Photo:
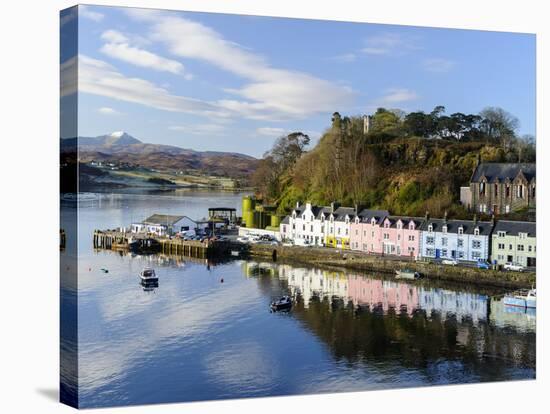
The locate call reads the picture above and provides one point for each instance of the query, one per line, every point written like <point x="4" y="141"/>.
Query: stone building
<point x="501" y="188"/>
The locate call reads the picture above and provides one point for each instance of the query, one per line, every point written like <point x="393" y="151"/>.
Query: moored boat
<point x="407" y="274"/>
<point x="521" y="298"/>
<point x="148" y="275"/>
<point x="285" y="303"/>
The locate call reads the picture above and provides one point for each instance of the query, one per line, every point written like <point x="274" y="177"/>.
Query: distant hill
<point x="122" y="147"/>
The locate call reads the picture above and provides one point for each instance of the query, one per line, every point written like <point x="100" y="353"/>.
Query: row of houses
<point x="379" y="232"/>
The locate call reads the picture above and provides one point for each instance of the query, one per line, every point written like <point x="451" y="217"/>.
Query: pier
<point x="146" y="243"/>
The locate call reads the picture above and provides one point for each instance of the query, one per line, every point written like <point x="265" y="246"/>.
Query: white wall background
<point x="29" y="172"/>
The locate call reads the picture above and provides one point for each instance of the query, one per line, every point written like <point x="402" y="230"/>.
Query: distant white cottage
<point x="164" y="224"/>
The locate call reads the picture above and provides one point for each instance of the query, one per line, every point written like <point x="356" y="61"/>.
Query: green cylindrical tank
<point x="248" y="204"/>
<point x="275" y="221"/>
<point x="248" y="218"/>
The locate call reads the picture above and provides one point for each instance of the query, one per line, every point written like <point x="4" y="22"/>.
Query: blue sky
<point x="234" y="83"/>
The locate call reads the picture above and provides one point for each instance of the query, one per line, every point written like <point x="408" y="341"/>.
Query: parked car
<point x="515" y="267"/>
<point x="450" y="262"/>
<point x="482" y="264"/>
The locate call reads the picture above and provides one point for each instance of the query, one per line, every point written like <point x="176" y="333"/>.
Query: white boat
<point x="522" y="298"/>
<point x="407" y="274"/>
<point x="148" y="275"/>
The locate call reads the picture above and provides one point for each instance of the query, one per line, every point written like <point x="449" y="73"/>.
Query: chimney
<point x="445" y="216"/>
<point x="427" y="216"/>
<point x="297" y="204"/>
<point x="356" y="209"/>
<point x="332" y="207"/>
<point x="493" y="219"/>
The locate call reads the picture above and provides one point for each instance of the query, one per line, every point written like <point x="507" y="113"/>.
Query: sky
<point x="235" y="83"/>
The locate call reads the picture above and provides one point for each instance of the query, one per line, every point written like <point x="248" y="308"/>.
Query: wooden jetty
<point x="147" y="243"/>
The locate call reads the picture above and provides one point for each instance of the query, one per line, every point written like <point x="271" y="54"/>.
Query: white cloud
<point x="270" y="131"/>
<point x="397" y="95"/>
<point x="438" y="65"/>
<point x="387" y="43"/>
<point x="270" y="93"/>
<point x="84" y="11"/>
<point x="118" y="47"/>
<point x="199" y="129"/>
<point x="105" y="110"/>
<point x="100" y="78"/>
<point x="345" y="58"/>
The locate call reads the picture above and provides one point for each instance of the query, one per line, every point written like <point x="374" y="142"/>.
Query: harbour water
<point x="195" y="338"/>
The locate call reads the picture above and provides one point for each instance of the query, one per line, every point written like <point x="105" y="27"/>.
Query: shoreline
<point x="349" y="259"/>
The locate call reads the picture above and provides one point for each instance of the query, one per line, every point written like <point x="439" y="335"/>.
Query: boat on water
<point x="148" y="275"/>
<point x="525" y="298"/>
<point x="407" y="274"/>
<point x="284" y="303"/>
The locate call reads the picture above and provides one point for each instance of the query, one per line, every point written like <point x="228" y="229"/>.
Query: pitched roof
<point x="164" y="219"/>
<point x="502" y="170"/>
<point x="468" y="226"/>
<point x="406" y="220"/>
<point x="341" y="212"/>
<point x="366" y="215"/>
<point x="512" y="228"/>
<point x="286" y="220"/>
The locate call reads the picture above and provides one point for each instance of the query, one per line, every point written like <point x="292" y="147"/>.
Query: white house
<point x="306" y="225"/>
<point x="164" y="224"/>
<point x="463" y="240"/>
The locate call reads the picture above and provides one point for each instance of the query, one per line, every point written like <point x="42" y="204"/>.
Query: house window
<point x="460" y="243"/>
<point x="510" y="247"/>
<point x="338" y="230"/>
<point x="501" y="234"/>
<point x="530" y="248"/>
<point x="372" y="234"/>
<point x="461" y="230"/>
<point x="522" y="235"/>
<point x="501" y="246"/>
<point x="476" y="256"/>
<point x="411" y="237"/>
<point x="399" y="226"/>
<point x="520" y="191"/>
<point x="482" y="188"/>
<point x="398" y="237"/>
<point x="284" y="228"/>
<point x="303" y="227"/>
<point x="507" y="208"/>
<point x="520" y="247"/>
<point x="294" y="227"/>
<point x="346" y="231"/>
<point x="496" y="190"/>
<point x="444" y="229"/>
<point x="386" y="236"/>
<point x="311" y="228"/>
<point x="429" y="252"/>
<point x="533" y="194"/>
<point x="444" y="252"/>
<point x="507" y="190"/>
<point x="460" y="255"/>
<point x="444" y="241"/>
<point x="331" y="230"/>
<point x="356" y="232"/>
<point x="430" y="240"/>
<point x="430" y="228"/>
<point x="476" y="231"/>
<point x="476" y="244"/>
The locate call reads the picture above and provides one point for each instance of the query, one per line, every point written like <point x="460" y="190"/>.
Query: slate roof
<point x="512" y="228"/>
<point x="163" y="219"/>
<point x="406" y="220"/>
<point x="366" y="215"/>
<point x="500" y="171"/>
<point x="286" y="220"/>
<point x="341" y="212"/>
<point x="485" y="227"/>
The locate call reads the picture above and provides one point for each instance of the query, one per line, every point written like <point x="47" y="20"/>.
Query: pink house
<point x="384" y="234"/>
<point x="365" y="231"/>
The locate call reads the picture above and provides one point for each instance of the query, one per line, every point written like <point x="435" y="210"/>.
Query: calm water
<point x="194" y="338"/>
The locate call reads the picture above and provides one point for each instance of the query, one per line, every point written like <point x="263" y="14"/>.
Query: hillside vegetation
<point x="406" y="163"/>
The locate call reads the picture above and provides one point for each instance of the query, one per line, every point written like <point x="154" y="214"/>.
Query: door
<point x="437" y="253"/>
<point x="510" y="258"/>
<point x="531" y="262"/>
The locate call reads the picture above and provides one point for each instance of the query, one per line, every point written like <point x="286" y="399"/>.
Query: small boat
<point x="285" y="303"/>
<point x="521" y="298"/>
<point x="407" y="274"/>
<point x="104" y="270"/>
<point x="148" y="275"/>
